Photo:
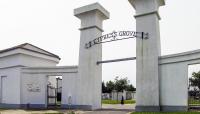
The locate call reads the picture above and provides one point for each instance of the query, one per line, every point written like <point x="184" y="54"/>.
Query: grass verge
<point x="117" y="102"/>
<point x="193" y="101"/>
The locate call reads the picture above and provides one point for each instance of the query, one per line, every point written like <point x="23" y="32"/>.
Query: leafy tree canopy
<point x="119" y="84"/>
<point x="195" y="79"/>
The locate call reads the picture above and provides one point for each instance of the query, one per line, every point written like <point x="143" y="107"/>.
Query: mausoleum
<point x="26" y="72"/>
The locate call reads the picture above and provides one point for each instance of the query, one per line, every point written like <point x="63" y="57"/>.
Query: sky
<point x="50" y="25"/>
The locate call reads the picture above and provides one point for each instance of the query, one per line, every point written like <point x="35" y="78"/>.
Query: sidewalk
<point x="106" y="109"/>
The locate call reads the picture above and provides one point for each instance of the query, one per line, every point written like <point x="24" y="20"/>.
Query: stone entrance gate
<point x="156" y="75"/>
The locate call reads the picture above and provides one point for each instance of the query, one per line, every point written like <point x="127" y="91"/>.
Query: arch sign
<point x="115" y="36"/>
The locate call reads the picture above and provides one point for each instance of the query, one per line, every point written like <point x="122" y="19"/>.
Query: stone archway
<point x="148" y="51"/>
<point x="150" y="69"/>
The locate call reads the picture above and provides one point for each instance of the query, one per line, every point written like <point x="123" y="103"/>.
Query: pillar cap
<point x="147" y="7"/>
<point x="160" y="2"/>
<point x="92" y="7"/>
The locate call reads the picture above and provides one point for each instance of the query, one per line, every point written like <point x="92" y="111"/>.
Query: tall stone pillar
<point x="148" y="51"/>
<point x="89" y="73"/>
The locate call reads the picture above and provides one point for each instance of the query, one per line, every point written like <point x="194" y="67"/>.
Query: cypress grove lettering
<point x="115" y="36"/>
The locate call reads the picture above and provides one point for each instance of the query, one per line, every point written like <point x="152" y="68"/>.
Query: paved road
<point x="106" y="109"/>
<point x="113" y="109"/>
<point x="119" y="107"/>
<point x="63" y="111"/>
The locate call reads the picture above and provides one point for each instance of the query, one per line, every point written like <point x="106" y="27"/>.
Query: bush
<point x="117" y="102"/>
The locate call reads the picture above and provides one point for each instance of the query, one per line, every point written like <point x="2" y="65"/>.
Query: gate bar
<point x="116" y="60"/>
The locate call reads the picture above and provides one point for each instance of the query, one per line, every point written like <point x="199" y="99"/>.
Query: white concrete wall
<point x="11" y="90"/>
<point x="174" y="79"/>
<point x="70" y="87"/>
<point x="174" y="84"/>
<point x="38" y="76"/>
<point x="34" y="96"/>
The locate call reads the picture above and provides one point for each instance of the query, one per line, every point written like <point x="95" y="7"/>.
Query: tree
<point x="121" y="84"/>
<point x="130" y="88"/>
<point x="195" y="79"/>
<point x="110" y="85"/>
<point x="104" y="88"/>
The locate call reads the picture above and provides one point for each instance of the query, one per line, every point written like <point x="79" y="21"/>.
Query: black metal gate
<point x="53" y="96"/>
<point x="193" y="97"/>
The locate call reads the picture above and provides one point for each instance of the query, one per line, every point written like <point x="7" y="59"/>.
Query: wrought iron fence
<point x="53" y="96"/>
<point x="193" y="98"/>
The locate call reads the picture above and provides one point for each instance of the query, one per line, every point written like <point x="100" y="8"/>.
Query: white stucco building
<point x="25" y="71"/>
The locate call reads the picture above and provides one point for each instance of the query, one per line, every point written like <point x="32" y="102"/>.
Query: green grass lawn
<point x="165" y="113"/>
<point x="117" y="102"/>
<point x="194" y="101"/>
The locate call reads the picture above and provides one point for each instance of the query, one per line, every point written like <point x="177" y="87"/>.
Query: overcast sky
<point x="50" y="25"/>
